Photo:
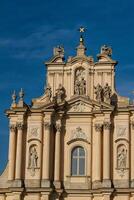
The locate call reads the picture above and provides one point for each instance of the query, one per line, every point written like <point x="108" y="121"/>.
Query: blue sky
<point x="29" y="29"/>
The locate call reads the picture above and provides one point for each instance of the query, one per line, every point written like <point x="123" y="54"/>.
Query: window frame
<point x="78" y="157"/>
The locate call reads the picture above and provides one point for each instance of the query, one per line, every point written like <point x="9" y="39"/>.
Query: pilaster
<point x="97" y="156"/>
<point x="12" y="142"/>
<point x="106" y="154"/>
<point x="19" y="151"/>
<point x="57" y="155"/>
<point x="46" y="155"/>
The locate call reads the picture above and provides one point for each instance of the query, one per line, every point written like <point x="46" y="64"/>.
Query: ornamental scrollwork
<point x="34" y="131"/>
<point x="78" y="134"/>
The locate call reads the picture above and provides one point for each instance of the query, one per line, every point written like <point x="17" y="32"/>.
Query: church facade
<point x="76" y="141"/>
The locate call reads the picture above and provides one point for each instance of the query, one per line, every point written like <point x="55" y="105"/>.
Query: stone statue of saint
<point x="107" y="92"/>
<point x="59" y="51"/>
<point x="48" y="93"/>
<point x="33" y="157"/>
<point x="106" y="50"/>
<point x="60" y="94"/>
<point x="98" y="92"/>
<point x="76" y="87"/>
<point x="122" y="158"/>
<point x="80" y="83"/>
<point x="82" y="86"/>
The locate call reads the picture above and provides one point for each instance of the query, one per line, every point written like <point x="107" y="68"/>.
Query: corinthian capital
<point x="47" y="125"/>
<point x="107" y="125"/>
<point x="20" y="126"/>
<point x="12" y="127"/>
<point x="98" y="127"/>
<point x="58" y="127"/>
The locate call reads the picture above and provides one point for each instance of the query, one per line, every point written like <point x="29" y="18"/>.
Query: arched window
<point x="78" y="161"/>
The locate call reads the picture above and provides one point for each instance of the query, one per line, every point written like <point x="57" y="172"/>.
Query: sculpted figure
<point x="122" y="158"/>
<point x="59" y="51"/>
<point x="82" y="86"/>
<point x="33" y="157"/>
<point x="80" y="83"/>
<point x="60" y="94"/>
<point x="106" y="50"/>
<point x="48" y="93"/>
<point x="98" y="92"/>
<point x="107" y="92"/>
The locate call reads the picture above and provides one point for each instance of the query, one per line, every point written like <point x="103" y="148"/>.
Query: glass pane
<point x="74" y="166"/>
<point x="75" y="152"/>
<point x="81" y="152"/>
<point x="82" y="166"/>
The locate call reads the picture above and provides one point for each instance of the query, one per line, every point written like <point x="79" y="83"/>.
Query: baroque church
<point x="76" y="141"/>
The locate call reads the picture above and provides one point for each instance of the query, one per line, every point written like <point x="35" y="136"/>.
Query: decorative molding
<point x="78" y="133"/>
<point x="34" y="131"/>
<point x="79" y="107"/>
<point x="98" y="127"/>
<point x="121" y="130"/>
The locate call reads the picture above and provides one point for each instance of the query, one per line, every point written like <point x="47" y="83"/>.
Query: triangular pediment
<point x="83" y="104"/>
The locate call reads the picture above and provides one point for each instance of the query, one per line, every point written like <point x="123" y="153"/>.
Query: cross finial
<point x="82" y="29"/>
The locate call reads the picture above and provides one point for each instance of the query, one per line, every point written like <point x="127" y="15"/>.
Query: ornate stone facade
<point x="76" y="141"/>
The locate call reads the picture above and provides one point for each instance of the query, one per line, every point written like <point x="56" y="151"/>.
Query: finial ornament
<point x="14" y="97"/>
<point x="81" y="48"/>
<point x="21" y="94"/>
<point x="81" y="29"/>
<point x="21" y="100"/>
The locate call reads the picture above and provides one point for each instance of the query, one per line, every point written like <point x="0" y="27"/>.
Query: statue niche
<point x="80" y="82"/>
<point x="121" y="157"/>
<point x="33" y="159"/>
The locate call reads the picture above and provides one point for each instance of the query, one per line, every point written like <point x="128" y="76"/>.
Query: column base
<point x="96" y="184"/>
<point x="106" y="183"/>
<point x="15" y="183"/>
<point x="45" y="183"/>
<point x="57" y="184"/>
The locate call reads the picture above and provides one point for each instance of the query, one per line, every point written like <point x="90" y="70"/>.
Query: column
<point x="132" y="154"/>
<point x="97" y="156"/>
<point x="106" y="155"/>
<point x="57" y="155"/>
<point x="46" y="154"/>
<point x="12" y="141"/>
<point x="19" y="151"/>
